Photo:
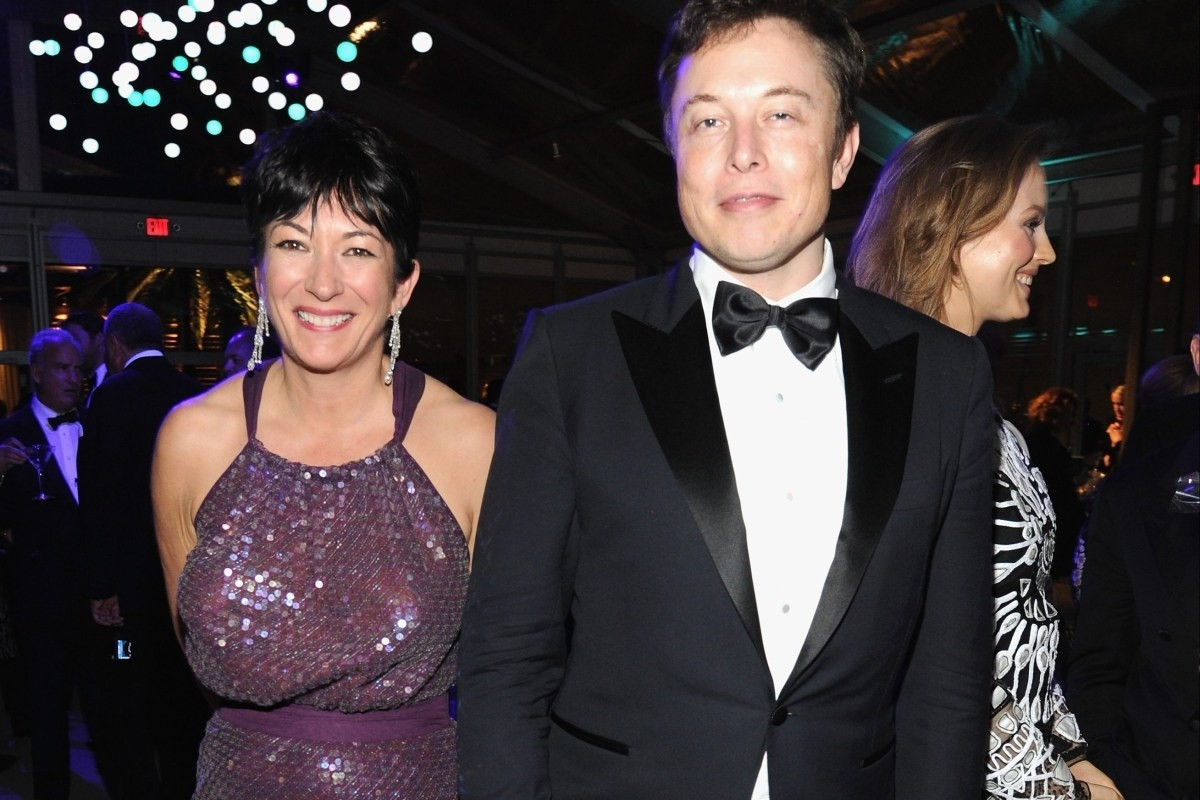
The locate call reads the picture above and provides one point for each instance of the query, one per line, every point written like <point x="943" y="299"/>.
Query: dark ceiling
<point x="542" y="113"/>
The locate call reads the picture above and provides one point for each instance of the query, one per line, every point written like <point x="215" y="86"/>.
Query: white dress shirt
<point x="786" y="426"/>
<point x="64" y="440"/>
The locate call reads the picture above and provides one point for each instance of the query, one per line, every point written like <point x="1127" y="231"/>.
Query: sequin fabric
<point x="1034" y="737"/>
<point x="337" y="587"/>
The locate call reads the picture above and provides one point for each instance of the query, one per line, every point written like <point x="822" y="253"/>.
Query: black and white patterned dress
<point x="1034" y="737"/>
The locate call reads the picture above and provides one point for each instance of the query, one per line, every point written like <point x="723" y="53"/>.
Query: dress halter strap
<point x="407" y="387"/>
<point x="252" y="388"/>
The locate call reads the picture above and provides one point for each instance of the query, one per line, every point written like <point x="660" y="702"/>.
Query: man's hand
<point x="12" y="453"/>
<point x="107" y="612"/>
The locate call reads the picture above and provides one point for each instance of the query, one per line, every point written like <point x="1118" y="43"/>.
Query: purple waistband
<point x="315" y="724"/>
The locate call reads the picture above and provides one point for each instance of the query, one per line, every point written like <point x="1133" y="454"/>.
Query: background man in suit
<point x="734" y="560"/>
<point x="1132" y="680"/>
<point x="50" y="604"/>
<point x="88" y="329"/>
<point x="156" y="715"/>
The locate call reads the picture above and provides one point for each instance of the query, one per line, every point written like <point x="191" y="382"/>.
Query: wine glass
<point x="39" y="457"/>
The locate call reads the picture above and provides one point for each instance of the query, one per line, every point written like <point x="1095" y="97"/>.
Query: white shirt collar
<point x="142" y="354"/>
<point x="709" y="273"/>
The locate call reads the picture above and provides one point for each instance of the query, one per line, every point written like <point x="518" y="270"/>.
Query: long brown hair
<point x="948" y="184"/>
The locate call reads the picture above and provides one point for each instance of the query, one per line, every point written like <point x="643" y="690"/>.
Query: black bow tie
<point x="70" y="416"/>
<point x="740" y="317"/>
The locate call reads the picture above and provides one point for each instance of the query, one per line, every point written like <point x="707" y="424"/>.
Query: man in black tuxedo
<point x="1132" y="680"/>
<point x="750" y="558"/>
<point x="50" y="604"/>
<point x="156" y="713"/>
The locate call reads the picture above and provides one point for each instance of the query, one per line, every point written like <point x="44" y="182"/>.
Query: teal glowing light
<point x="99" y="95"/>
<point x="151" y="97"/>
<point x="135" y="99"/>
<point x="213" y="127"/>
<point x="53" y="48"/>
<point x="180" y="63"/>
<point x="251" y="54"/>
<point x="296" y="111"/>
<point x="347" y="51"/>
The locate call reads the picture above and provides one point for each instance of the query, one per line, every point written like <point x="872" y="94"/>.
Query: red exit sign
<point x="158" y="226"/>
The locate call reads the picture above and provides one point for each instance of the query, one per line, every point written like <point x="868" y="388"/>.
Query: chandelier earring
<point x="393" y="347"/>
<point x="262" y="330"/>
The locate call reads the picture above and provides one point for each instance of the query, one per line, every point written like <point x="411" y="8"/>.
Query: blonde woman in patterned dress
<point x="315" y="514"/>
<point x="956" y="229"/>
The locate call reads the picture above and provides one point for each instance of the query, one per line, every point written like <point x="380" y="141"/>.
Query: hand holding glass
<point x="39" y="457"/>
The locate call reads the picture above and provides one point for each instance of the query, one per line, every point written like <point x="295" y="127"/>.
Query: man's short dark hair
<point x="135" y="326"/>
<point x="703" y="22"/>
<point x="90" y="321"/>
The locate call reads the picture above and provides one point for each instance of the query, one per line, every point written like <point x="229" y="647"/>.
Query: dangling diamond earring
<point x="393" y="348"/>
<point x="261" y="331"/>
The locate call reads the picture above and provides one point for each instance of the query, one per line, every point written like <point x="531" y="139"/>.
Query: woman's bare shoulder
<point x="210" y="427"/>
<point x="446" y="410"/>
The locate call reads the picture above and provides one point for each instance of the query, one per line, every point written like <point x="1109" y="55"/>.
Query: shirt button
<point x="786" y="608"/>
<point x="779" y="716"/>
<point x="779" y="397"/>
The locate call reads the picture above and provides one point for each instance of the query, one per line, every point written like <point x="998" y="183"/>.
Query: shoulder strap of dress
<point x="407" y="388"/>
<point x="252" y="388"/>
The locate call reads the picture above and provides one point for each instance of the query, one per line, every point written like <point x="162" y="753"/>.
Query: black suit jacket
<point x="45" y="532"/>
<point x="125" y="413"/>
<point x="1132" y="680"/>
<point x="612" y="513"/>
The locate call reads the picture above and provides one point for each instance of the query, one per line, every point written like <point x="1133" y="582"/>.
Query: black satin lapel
<point x="672" y="371"/>
<point x="879" y="402"/>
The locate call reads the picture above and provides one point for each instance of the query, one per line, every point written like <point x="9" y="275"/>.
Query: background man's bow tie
<point x="70" y="416"/>
<point x="740" y="317"/>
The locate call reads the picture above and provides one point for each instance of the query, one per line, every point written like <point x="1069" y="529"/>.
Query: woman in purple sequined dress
<point x="315" y="514"/>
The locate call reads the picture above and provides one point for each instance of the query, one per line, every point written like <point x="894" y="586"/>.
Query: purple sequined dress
<point x="314" y="590"/>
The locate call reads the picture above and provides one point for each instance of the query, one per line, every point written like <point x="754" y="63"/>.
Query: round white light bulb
<point x="95" y="40"/>
<point x="286" y="37"/>
<point x="72" y="22"/>
<point x="129" y="18"/>
<point x="246" y="136"/>
<point x="422" y="42"/>
<point x="314" y="102"/>
<point x="276" y="100"/>
<point x="58" y="122"/>
<point x="252" y="14"/>
<point x="90" y="145"/>
<point x="260" y="84"/>
<point x="350" y="81"/>
<point x="191" y="49"/>
<point x="83" y="54"/>
<point x="186" y="14"/>
<point x="317" y="6"/>
<point x="179" y="121"/>
<point x="89" y="80"/>
<point x="339" y="16"/>
<point x="171" y="150"/>
<point x="208" y="87"/>
<point x="223" y="100"/>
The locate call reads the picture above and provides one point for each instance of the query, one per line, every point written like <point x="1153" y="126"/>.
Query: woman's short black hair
<point x="328" y="158"/>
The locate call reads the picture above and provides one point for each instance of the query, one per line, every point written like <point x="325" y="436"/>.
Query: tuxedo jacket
<point x="124" y="415"/>
<point x="47" y="550"/>
<point x="1132" y="680"/>
<point x="611" y="644"/>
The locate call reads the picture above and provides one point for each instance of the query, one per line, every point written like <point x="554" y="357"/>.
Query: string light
<point x="131" y="63"/>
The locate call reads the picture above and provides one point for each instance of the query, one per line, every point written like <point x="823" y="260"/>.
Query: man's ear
<point x="844" y="159"/>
